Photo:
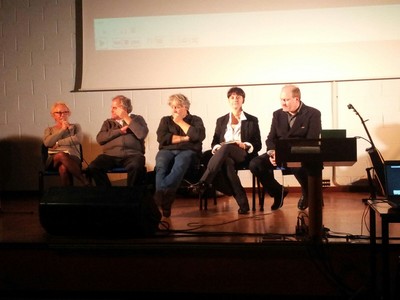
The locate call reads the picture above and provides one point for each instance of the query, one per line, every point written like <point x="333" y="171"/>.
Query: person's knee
<point x="159" y="166"/>
<point x="62" y="169"/>
<point x="92" y="167"/>
<point x="224" y="150"/>
<point x="162" y="160"/>
<point x="253" y="165"/>
<point x="189" y="160"/>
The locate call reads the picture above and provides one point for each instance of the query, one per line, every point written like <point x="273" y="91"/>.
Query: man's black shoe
<point x="303" y="203"/>
<point x="168" y="199"/>
<point x="278" y="200"/>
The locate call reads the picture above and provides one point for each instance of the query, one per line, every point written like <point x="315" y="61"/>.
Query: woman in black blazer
<point x="236" y="141"/>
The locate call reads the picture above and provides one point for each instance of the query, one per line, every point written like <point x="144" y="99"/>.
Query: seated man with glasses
<point x="122" y="138"/>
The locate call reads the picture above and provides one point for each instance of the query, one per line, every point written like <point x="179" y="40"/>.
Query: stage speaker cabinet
<point x="99" y="211"/>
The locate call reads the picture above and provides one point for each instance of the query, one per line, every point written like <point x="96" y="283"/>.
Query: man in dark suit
<point x="236" y="141"/>
<point x="293" y="120"/>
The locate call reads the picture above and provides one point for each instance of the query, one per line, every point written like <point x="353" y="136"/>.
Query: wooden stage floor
<point x="345" y="219"/>
<point x="198" y="253"/>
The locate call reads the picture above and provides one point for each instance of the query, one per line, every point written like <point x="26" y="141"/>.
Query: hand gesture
<point x="272" y="158"/>
<point x="65" y="125"/>
<point x="124" y="129"/>
<point x="177" y="118"/>
<point x="121" y="112"/>
<point x="241" y="145"/>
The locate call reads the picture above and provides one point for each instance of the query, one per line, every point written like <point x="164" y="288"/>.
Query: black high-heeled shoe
<point x="199" y="187"/>
<point x="244" y="209"/>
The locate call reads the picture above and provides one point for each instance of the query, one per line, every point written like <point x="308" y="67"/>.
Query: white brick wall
<point x="37" y="58"/>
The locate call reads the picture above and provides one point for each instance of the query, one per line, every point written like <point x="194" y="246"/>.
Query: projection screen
<point x="150" y="44"/>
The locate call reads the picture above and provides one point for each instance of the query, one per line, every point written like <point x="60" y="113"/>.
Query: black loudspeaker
<point x="99" y="211"/>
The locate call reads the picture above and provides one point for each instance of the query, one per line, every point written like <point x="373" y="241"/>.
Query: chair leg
<point x="261" y="195"/>
<point x="200" y="203"/>
<point x="203" y="201"/>
<point x="41" y="183"/>
<point x="203" y="198"/>
<point x="215" y="196"/>
<point x="258" y="189"/>
<point x="253" y="187"/>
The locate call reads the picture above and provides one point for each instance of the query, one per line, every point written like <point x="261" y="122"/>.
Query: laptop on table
<point x="392" y="185"/>
<point x="333" y="133"/>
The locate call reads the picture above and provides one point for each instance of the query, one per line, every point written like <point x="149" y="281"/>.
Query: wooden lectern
<point x="314" y="154"/>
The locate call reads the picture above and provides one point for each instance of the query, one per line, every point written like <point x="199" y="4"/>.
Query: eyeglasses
<point x="61" y="113"/>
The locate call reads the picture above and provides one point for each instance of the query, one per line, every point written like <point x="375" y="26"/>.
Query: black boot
<point x="168" y="199"/>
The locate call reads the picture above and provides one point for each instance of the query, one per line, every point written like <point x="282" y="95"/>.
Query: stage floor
<point x="213" y="252"/>
<point x="345" y="220"/>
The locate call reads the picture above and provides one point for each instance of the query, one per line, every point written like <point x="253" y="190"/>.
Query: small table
<point x="388" y="215"/>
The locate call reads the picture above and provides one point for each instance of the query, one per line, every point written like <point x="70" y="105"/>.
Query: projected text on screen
<point x="245" y="29"/>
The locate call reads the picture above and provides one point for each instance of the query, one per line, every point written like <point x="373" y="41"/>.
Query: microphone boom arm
<point x="363" y="123"/>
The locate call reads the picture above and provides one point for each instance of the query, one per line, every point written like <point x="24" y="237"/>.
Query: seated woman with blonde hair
<point x="63" y="142"/>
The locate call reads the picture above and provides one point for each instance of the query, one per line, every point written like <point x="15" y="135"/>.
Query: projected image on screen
<point x="144" y="33"/>
<point x="155" y="47"/>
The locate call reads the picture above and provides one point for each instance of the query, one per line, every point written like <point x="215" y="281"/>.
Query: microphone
<point x="349" y="106"/>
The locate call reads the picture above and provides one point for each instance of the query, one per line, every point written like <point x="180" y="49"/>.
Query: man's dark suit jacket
<point x="307" y="126"/>
<point x="250" y="132"/>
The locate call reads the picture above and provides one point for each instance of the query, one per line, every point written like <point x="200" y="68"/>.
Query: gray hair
<point x="125" y="102"/>
<point x="181" y="99"/>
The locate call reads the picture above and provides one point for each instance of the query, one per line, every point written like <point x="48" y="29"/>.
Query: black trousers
<point x="134" y="164"/>
<point x="223" y="164"/>
<point x="262" y="168"/>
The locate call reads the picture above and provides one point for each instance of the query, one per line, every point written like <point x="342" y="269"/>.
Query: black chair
<point x="117" y="170"/>
<point x="203" y="198"/>
<point x="256" y="187"/>
<point x="50" y="172"/>
<point x="122" y="170"/>
<point x="193" y="175"/>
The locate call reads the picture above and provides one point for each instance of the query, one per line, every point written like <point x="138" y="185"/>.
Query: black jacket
<point x="307" y="126"/>
<point x="250" y="132"/>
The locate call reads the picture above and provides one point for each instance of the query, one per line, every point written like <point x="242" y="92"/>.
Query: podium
<point x="314" y="154"/>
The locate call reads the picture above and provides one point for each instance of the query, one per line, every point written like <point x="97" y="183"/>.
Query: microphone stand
<point x="377" y="162"/>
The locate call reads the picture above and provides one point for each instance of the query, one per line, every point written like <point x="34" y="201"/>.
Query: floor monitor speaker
<point x="100" y="211"/>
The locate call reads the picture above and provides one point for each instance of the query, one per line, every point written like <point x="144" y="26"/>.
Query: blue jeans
<point x="171" y="167"/>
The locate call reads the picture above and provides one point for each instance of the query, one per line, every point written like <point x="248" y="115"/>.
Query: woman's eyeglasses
<point x="61" y="113"/>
